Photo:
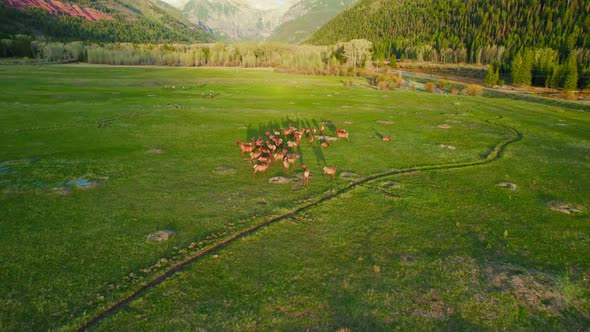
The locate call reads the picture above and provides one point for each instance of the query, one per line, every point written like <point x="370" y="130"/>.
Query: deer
<point x="292" y="157"/>
<point x="287" y="132"/>
<point x="310" y="139"/>
<point x="330" y="171"/>
<point x="254" y="155"/>
<point x="387" y="138"/>
<point x="262" y="167"/>
<point x="341" y="133"/>
<point x="278" y="141"/>
<point x="305" y="175"/>
<point x="245" y="147"/>
<point x="271" y="146"/>
<point x="292" y="144"/>
<point x="280" y="155"/>
<point x="325" y="144"/>
<point x="259" y="142"/>
<point x="286" y="164"/>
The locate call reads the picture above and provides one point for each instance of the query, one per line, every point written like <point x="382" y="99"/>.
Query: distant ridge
<point x="136" y="21"/>
<point x="306" y="17"/>
<point x="58" y="7"/>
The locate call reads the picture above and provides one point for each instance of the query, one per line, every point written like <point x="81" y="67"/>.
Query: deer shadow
<point x="378" y="134"/>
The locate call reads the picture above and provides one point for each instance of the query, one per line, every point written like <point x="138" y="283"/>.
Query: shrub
<point x="383" y="85"/>
<point x="568" y="95"/>
<point x="473" y="90"/>
<point x="392" y="81"/>
<point x="441" y="84"/>
<point x="429" y="87"/>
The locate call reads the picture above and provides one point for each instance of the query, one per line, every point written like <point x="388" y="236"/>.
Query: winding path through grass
<point x="493" y="155"/>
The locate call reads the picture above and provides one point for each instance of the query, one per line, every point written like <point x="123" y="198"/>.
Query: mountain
<point x="394" y="25"/>
<point x="139" y="21"/>
<point x="237" y="19"/>
<point x="306" y="17"/>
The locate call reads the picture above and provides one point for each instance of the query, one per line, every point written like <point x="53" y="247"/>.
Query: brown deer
<point x="262" y="167"/>
<point x="387" y="138"/>
<point x="286" y="164"/>
<point x="341" y="133"/>
<point x="292" y="144"/>
<point x="305" y="175"/>
<point x="245" y="147"/>
<point x="292" y="157"/>
<point x="330" y="171"/>
<point x="280" y="155"/>
<point x="255" y="155"/>
<point x="325" y="144"/>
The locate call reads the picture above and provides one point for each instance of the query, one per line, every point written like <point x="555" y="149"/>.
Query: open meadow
<point x="474" y="216"/>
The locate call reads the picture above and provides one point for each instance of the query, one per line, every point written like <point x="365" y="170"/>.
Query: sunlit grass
<point x="442" y="249"/>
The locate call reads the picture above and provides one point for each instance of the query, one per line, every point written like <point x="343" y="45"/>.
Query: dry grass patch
<point x="534" y="290"/>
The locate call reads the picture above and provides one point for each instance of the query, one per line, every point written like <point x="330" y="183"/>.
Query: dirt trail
<point x="492" y="156"/>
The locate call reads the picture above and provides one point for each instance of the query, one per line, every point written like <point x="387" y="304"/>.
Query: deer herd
<point x="280" y="146"/>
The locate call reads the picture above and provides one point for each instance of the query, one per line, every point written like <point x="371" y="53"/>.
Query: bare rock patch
<point x="327" y="138"/>
<point x="449" y="147"/>
<point x="385" y="122"/>
<point x="443" y="126"/>
<point x="225" y="170"/>
<point x="507" y="185"/>
<point x="564" y="207"/>
<point x="279" y="180"/>
<point x="349" y="175"/>
<point x="160" y="236"/>
<point x="155" y="151"/>
<point x="390" y="184"/>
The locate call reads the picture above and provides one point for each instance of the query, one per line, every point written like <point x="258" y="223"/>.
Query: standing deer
<point x="291" y="157"/>
<point x="330" y="171"/>
<point x="286" y="164"/>
<point x="280" y="155"/>
<point x="305" y="175"/>
<point x="246" y="147"/>
<point x="341" y="133"/>
<point x="387" y="138"/>
<point x="262" y="167"/>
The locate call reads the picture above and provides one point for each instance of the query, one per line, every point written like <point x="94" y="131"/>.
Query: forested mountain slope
<point x="471" y="25"/>
<point x="306" y="17"/>
<point x="137" y="21"/>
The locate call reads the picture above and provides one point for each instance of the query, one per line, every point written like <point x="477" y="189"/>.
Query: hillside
<point x="472" y="25"/>
<point x="137" y="21"/>
<point x="232" y="18"/>
<point x="305" y="17"/>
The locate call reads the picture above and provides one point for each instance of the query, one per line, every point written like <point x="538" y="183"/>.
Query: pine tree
<point x="570" y="82"/>
<point x="516" y="70"/>
<point x="492" y="76"/>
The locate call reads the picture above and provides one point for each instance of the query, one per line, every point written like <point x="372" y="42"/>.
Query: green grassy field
<point x="94" y="159"/>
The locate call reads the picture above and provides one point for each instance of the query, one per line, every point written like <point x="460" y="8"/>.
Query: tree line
<point x="540" y="67"/>
<point x="545" y="36"/>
